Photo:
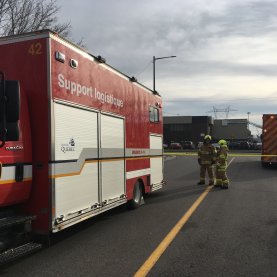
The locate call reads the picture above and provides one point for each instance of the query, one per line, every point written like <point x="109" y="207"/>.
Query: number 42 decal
<point x="35" y="49"/>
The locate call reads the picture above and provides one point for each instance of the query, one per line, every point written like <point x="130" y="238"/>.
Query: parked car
<point x="200" y="143"/>
<point x="233" y="145"/>
<point x="175" y="145"/>
<point x="188" y="145"/>
<point x="216" y="145"/>
<point x="165" y="146"/>
<point x="257" y="146"/>
<point x="244" y="145"/>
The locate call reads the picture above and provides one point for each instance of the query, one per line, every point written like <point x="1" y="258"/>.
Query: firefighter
<point x="206" y="159"/>
<point x="221" y="165"/>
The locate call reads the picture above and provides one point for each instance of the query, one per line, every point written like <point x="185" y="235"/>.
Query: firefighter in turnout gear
<point x="221" y="165"/>
<point x="206" y="159"/>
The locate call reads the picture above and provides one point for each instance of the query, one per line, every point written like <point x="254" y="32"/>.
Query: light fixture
<point x="60" y="56"/>
<point x="100" y="59"/>
<point x="73" y="63"/>
<point x="133" y="79"/>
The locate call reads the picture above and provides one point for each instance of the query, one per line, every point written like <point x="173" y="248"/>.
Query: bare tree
<point x="21" y="16"/>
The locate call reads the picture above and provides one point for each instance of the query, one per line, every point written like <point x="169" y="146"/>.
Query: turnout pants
<point x="209" y="169"/>
<point x="221" y="177"/>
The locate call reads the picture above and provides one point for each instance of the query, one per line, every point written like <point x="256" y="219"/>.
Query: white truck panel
<point x="112" y="146"/>
<point x="156" y="163"/>
<point x="76" y="132"/>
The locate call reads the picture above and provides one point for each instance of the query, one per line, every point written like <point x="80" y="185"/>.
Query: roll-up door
<point x="112" y="156"/>
<point x="76" y="160"/>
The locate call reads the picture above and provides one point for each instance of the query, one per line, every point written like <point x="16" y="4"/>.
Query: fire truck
<point x="269" y="140"/>
<point x="78" y="138"/>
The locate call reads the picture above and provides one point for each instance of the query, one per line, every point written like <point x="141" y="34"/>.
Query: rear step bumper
<point x="18" y="252"/>
<point x="8" y="222"/>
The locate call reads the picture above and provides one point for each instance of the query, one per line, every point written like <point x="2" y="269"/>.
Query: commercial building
<point x="231" y="129"/>
<point x="194" y="128"/>
<point x="186" y="128"/>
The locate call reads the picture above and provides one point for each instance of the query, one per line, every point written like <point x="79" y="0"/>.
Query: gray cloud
<point x="221" y="39"/>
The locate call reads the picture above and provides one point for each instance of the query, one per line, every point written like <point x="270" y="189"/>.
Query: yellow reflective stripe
<point x="205" y="152"/>
<point x="206" y="162"/>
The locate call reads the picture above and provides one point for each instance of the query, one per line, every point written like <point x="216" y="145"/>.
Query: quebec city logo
<point x="68" y="147"/>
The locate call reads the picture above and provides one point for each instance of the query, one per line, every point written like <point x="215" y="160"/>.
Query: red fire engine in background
<point x="78" y="138"/>
<point x="269" y="139"/>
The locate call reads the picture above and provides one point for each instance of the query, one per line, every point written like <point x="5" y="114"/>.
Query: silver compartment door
<point x="112" y="158"/>
<point x="76" y="166"/>
<point x="156" y="159"/>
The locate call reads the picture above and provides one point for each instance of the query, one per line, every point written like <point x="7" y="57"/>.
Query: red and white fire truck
<point x="269" y="139"/>
<point x="78" y="137"/>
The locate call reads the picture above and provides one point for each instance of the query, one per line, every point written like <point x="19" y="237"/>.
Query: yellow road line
<point x="154" y="257"/>
<point x="156" y="254"/>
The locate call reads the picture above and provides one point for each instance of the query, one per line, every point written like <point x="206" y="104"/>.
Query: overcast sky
<point x="226" y="49"/>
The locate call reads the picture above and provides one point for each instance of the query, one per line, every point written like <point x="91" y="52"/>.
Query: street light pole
<point x="154" y="69"/>
<point x="248" y="113"/>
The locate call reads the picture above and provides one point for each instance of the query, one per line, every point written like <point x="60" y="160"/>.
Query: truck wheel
<point x="137" y="196"/>
<point x="265" y="164"/>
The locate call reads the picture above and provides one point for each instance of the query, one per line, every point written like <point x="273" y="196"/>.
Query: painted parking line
<point x="156" y="254"/>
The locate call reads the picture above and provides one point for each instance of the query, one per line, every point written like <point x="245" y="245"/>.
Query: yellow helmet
<point x="208" y="137"/>
<point x="222" y="142"/>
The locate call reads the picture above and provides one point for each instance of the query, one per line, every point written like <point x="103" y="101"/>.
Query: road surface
<point x="231" y="232"/>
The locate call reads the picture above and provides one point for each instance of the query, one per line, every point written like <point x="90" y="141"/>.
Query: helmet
<point x="208" y="137"/>
<point x="222" y="142"/>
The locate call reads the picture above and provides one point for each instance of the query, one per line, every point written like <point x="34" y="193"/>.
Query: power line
<point x="147" y="65"/>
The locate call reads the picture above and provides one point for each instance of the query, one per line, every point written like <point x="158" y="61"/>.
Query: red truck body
<point x="88" y="134"/>
<point x="269" y="139"/>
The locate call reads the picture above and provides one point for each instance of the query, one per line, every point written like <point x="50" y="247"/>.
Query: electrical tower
<point x="225" y="110"/>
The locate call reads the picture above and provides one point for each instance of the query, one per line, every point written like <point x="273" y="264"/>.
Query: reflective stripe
<point x="206" y="162"/>
<point x="204" y="152"/>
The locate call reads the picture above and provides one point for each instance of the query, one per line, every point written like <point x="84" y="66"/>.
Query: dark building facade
<point x="186" y="128"/>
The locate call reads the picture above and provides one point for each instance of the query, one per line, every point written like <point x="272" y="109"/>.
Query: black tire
<point x="137" y="197"/>
<point x="265" y="165"/>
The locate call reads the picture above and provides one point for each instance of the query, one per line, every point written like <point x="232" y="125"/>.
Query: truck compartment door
<point x="76" y="184"/>
<point x="112" y="152"/>
<point x="156" y="161"/>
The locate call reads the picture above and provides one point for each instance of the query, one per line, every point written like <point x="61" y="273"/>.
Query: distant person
<point x="221" y="165"/>
<point x="206" y="159"/>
